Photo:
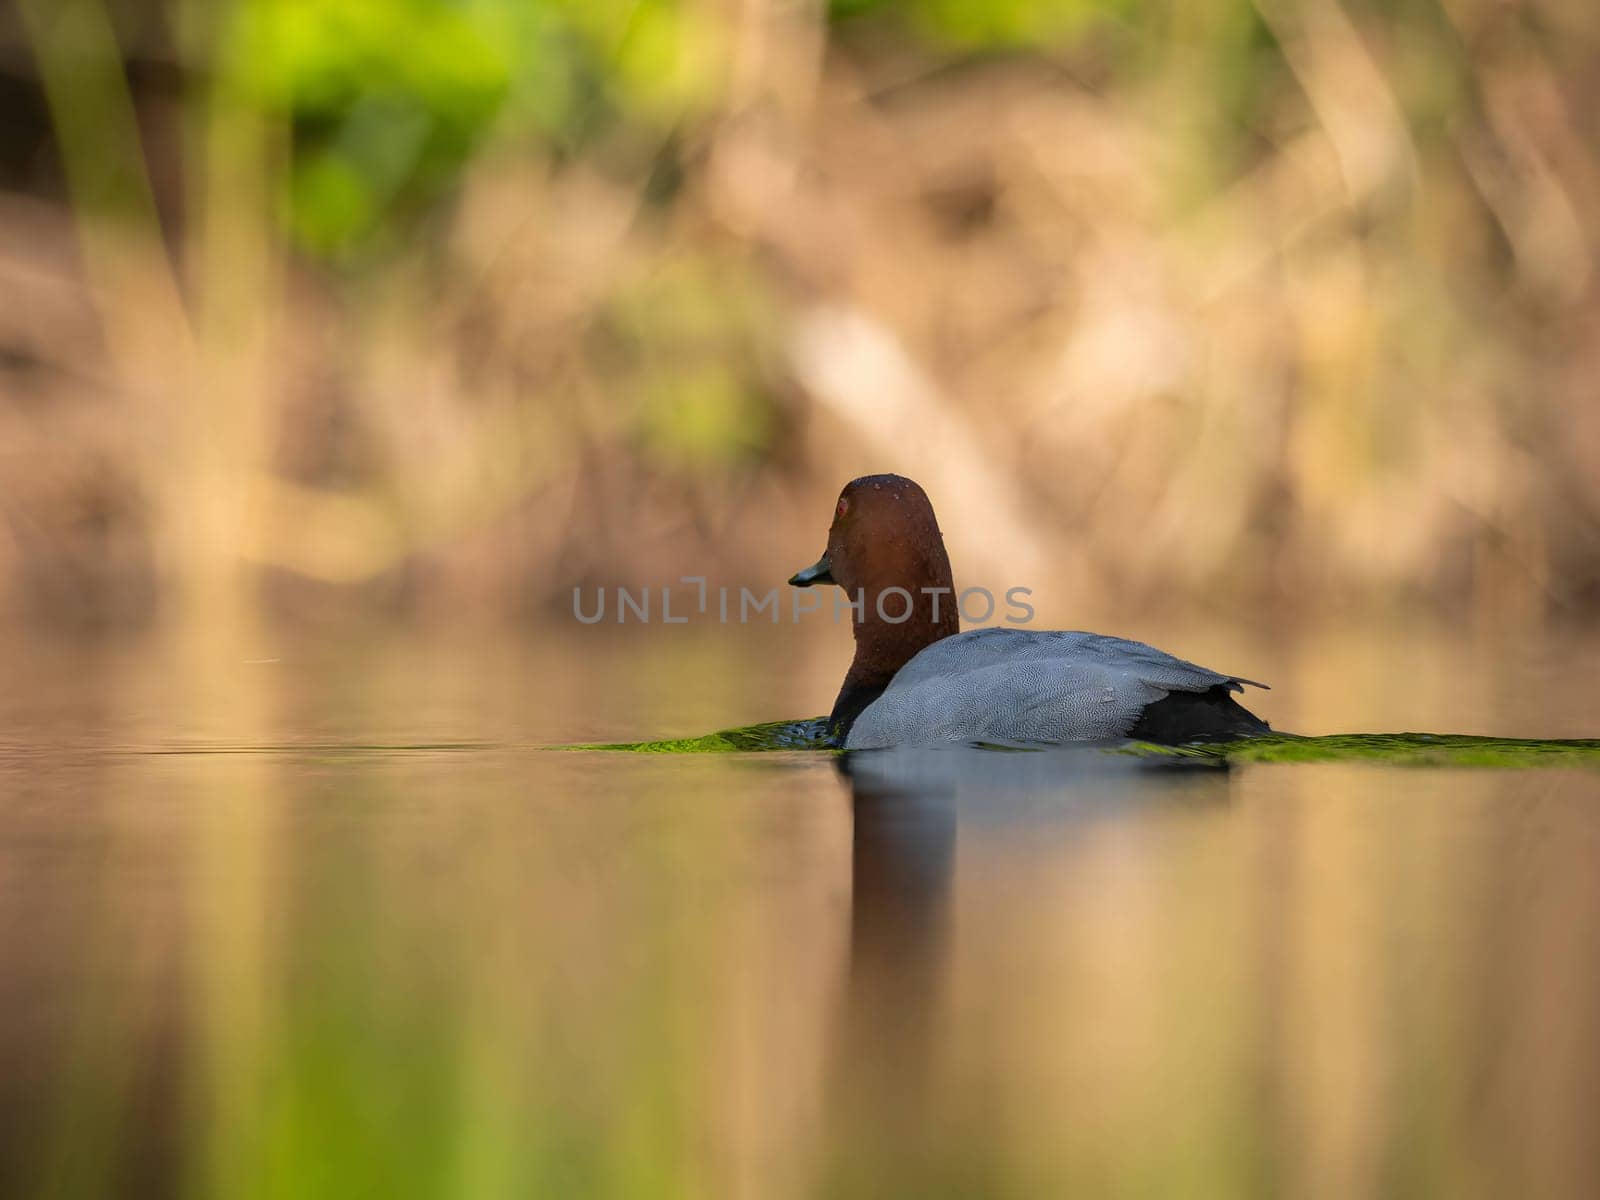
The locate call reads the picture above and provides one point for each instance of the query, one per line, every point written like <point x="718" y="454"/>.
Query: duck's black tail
<point x="1179" y="718"/>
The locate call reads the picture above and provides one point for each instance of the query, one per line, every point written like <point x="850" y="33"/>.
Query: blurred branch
<point x="101" y="149"/>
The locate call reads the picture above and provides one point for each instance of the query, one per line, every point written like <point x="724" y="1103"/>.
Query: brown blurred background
<point x="437" y="309"/>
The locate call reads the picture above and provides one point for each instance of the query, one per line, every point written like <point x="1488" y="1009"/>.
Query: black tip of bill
<point x="818" y="572"/>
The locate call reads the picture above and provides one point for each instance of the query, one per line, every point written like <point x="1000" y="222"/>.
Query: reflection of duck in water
<point x="907" y="805"/>
<point x="916" y="680"/>
<point x="902" y="863"/>
<point x="909" y="1117"/>
<point x="884" y="1073"/>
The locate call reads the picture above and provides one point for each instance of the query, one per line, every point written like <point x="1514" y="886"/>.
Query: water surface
<point x="322" y="918"/>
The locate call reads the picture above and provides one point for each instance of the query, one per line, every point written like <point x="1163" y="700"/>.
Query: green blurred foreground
<point x="438" y="309"/>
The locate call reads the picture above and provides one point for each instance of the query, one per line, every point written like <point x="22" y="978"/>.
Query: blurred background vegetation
<point x="437" y="308"/>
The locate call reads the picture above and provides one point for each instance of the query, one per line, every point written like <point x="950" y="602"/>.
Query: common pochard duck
<point x="917" y="680"/>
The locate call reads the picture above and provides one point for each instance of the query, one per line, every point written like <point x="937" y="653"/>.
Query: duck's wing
<point x="1008" y="685"/>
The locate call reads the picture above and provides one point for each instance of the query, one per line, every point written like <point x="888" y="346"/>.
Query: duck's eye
<point x="844" y="507"/>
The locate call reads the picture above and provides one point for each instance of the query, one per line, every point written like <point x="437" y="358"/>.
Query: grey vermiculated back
<point x="1015" y="685"/>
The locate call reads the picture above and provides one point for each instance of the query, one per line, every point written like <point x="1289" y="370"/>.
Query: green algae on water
<point x="1387" y="749"/>
<point x="1417" y="750"/>
<point x="1383" y="749"/>
<point x="809" y="734"/>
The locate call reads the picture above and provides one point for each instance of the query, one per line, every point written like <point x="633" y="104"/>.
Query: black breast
<point x="851" y="701"/>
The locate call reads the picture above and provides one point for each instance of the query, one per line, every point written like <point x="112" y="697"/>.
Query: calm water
<point x="321" y="919"/>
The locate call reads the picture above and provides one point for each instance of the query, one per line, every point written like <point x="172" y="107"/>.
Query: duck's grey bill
<point x="820" y="571"/>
